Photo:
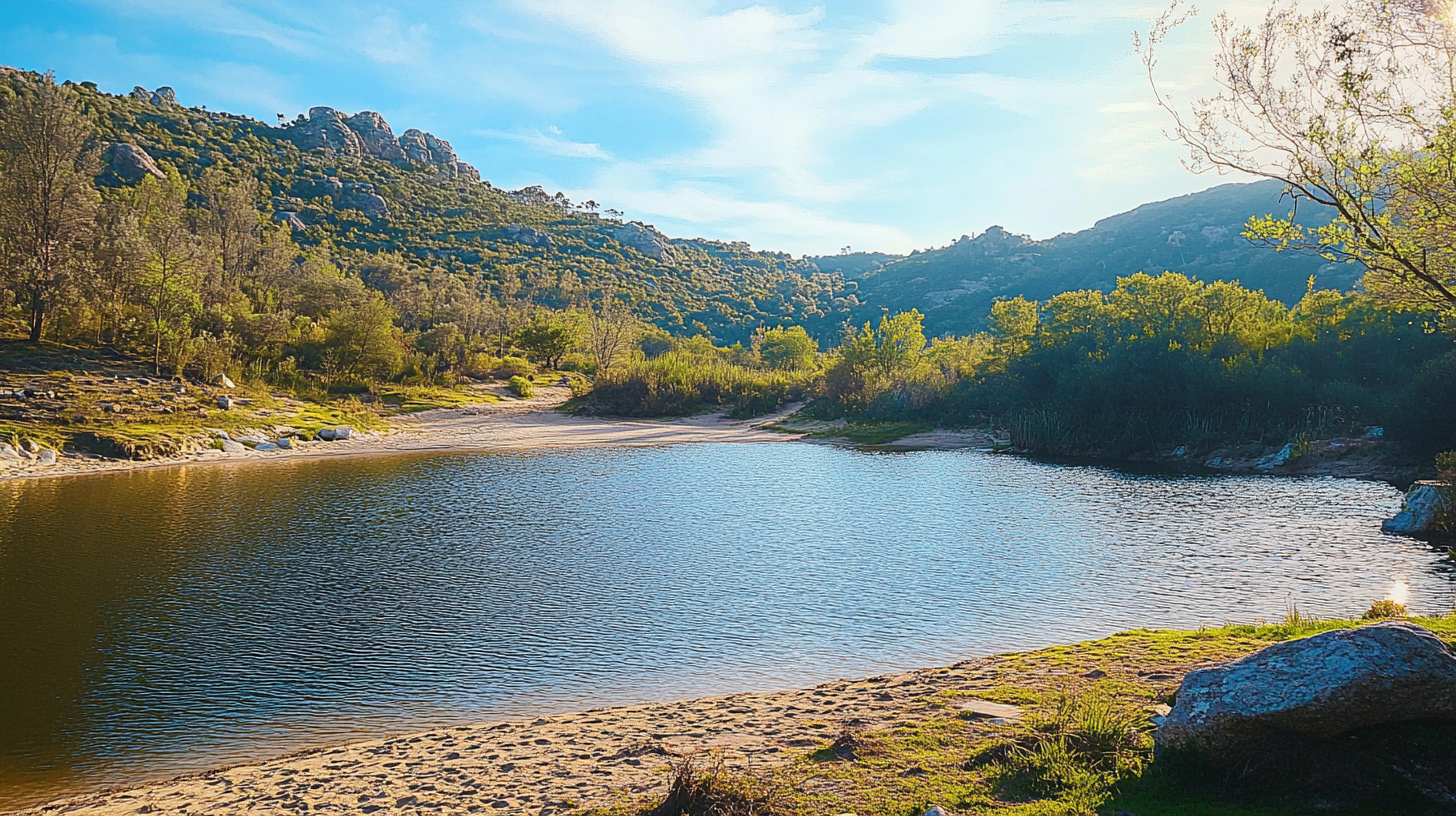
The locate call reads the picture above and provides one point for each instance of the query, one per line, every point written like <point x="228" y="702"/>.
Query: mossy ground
<point x="967" y="764"/>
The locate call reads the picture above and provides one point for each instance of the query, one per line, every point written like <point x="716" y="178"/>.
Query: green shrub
<point x="682" y="382"/>
<point x="521" y="386"/>
<point x="1384" y="610"/>
<point x="1078" y="747"/>
<point x="515" y="367"/>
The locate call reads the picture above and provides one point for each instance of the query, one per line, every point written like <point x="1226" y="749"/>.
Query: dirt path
<point x="511" y="425"/>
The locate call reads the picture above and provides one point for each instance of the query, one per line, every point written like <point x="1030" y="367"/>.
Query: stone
<point x="530" y="236"/>
<point x="1274" y="460"/>
<point x="372" y="205"/>
<point x="1319" y="687"/>
<point x="225" y="402"/>
<point x="1424" y="510"/>
<point x="644" y="239"/>
<point x="264" y="447"/>
<point x="337" y="433"/>
<point x="130" y="163"/>
<point x="222" y="435"/>
<point x="231" y="446"/>
<point x="46" y="457"/>
<point x="225" y="381"/>
<point x="141" y="94"/>
<point x="325" y="129"/>
<point x="375" y="136"/>
<point x="285" y="443"/>
<point x="291" y="219"/>
<point x="251" y="440"/>
<point x="163" y="96"/>
<point x="936" y="810"/>
<point x="8" y="451"/>
<point x="424" y="148"/>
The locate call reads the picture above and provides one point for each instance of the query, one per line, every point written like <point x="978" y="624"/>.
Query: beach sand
<point x="510" y="425"/>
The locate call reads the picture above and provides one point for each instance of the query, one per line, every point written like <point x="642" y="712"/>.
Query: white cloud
<point x="551" y="143"/>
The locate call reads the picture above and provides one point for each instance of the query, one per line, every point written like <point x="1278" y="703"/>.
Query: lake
<point x="153" y="623"/>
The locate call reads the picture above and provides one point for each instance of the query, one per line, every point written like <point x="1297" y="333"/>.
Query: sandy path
<point x="511" y="425"/>
<point x="550" y="764"/>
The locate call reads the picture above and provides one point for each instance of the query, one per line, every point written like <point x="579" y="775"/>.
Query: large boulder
<point x="644" y="239"/>
<point x="130" y="163"/>
<point x="530" y="236"/>
<point x="291" y="219"/>
<point x="326" y="129"/>
<point x="1321" y="686"/>
<point x="1424" y="510"/>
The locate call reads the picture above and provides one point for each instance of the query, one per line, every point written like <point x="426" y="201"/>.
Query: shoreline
<point x="532" y="424"/>
<point x="553" y="764"/>
<point x="622" y="756"/>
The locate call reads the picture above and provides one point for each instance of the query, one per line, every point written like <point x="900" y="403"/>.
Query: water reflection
<point x="152" y="623"/>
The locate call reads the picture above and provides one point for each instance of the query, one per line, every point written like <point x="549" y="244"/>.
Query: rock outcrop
<point x="530" y="236"/>
<point x="375" y="136"/>
<point x="291" y="219"/>
<point x="1321" y="687"/>
<point x="367" y="135"/>
<point x="1424" y="510"/>
<point x="130" y="163"/>
<point x="644" y="239"/>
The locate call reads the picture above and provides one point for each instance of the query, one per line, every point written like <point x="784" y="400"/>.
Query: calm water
<point x="154" y="623"/>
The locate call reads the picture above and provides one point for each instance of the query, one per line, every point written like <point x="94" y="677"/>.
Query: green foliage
<point x="521" y="387"/>
<point x="549" y="337"/>
<point x="1384" y="610"/>
<point x="697" y="376"/>
<point x="1076" y="747"/>
<point x="787" y="349"/>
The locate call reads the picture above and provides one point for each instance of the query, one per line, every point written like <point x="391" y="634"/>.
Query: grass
<point x="680" y="383"/>
<point x="874" y="433"/>
<point x="1083" y="746"/>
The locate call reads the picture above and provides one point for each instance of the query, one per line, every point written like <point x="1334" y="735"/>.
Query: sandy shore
<point x="551" y="764"/>
<point x="511" y="425"/>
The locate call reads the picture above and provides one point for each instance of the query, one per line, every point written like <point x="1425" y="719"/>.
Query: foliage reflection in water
<point x="158" y="622"/>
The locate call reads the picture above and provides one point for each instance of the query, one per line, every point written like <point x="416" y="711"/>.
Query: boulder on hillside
<point x="644" y="239"/>
<point x="530" y="236"/>
<point x="326" y="129"/>
<point x="130" y="163"/>
<point x="1424" y="510"/>
<point x="163" y="96"/>
<point x="291" y="219"/>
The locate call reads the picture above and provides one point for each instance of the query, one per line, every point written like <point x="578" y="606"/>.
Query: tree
<point x="363" y="342"/>
<point x="1352" y="107"/>
<point x="891" y="350"/>
<point x="787" y="349"/>
<point x="171" y="262"/>
<point x="229" y="221"/>
<point x="549" y="337"/>
<point x="47" y="196"/>
<point x="610" y="331"/>
<point x="1015" y="321"/>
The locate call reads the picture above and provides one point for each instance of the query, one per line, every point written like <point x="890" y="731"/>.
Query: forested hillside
<point x="346" y="185"/>
<point x="1198" y="235"/>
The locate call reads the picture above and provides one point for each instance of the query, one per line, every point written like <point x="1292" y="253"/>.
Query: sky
<point x="884" y="125"/>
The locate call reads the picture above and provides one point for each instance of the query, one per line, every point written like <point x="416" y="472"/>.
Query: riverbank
<point x="921" y="738"/>
<point x="509" y="424"/>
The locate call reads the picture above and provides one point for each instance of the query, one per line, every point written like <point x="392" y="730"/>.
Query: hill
<point x="348" y="184"/>
<point x="1196" y="234"/>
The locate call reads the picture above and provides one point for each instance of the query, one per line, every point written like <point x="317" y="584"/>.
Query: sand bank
<point x="511" y="425"/>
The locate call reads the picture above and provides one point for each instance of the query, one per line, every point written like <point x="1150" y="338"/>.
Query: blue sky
<point x="801" y="127"/>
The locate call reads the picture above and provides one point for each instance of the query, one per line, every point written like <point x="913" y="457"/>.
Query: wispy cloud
<point x="551" y="143"/>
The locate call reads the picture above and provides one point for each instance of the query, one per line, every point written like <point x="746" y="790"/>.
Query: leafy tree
<point x="1015" y="321"/>
<point x="610" y="331"/>
<point x="46" y="196"/>
<point x="549" y="337"/>
<point x="787" y="349"/>
<point x="363" y="342"/>
<point x="1352" y="107"/>
<point x="171" y="263"/>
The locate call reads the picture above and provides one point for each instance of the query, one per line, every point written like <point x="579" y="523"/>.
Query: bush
<point x="681" y="382"/>
<point x="1384" y="610"/>
<point x="521" y="386"/>
<point x="515" y="367"/>
<point x="1079" y="747"/>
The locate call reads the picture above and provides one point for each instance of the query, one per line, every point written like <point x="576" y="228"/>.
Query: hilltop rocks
<point x="1320" y="687"/>
<point x="375" y="137"/>
<point x="367" y="135"/>
<point x="361" y="197"/>
<point x="644" y="239"/>
<point x="1423" y="510"/>
<point x="130" y="163"/>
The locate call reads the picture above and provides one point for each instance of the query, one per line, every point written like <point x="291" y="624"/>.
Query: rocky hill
<point x="1197" y="234"/>
<point x="348" y="184"/>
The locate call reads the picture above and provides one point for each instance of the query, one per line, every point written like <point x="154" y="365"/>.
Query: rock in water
<point x="1321" y="686"/>
<point x="1423" y="510"/>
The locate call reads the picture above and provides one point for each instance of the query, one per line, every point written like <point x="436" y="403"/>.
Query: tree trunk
<point x="37" y="320"/>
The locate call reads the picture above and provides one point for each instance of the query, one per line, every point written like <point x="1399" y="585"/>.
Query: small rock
<point x="143" y="381"/>
<point x="250" y="440"/>
<point x="265" y="447"/>
<point x="225" y="402"/>
<point x="8" y="451"/>
<point x="285" y="443"/>
<point x="46" y="457"/>
<point x="1423" y="510"/>
<point x="936" y="811"/>
<point x="229" y="446"/>
<point x="224" y="381"/>
<point x="222" y="435"/>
